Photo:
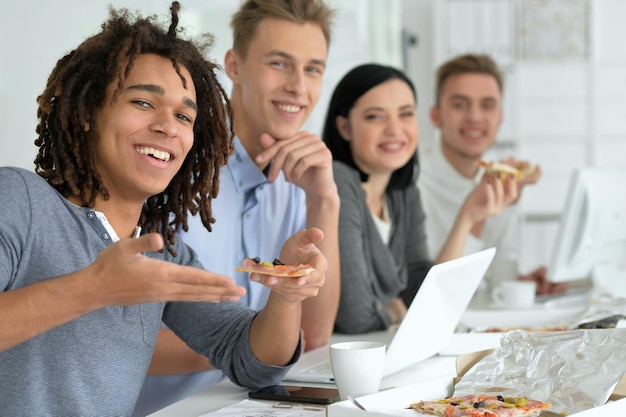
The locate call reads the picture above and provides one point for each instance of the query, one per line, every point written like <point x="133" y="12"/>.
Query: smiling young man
<point x="127" y="120"/>
<point x="279" y="179"/>
<point x="468" y="113"/>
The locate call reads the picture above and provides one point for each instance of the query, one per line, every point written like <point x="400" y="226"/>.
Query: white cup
<point x="514" y="294"/>
<point x="357" y="367"/>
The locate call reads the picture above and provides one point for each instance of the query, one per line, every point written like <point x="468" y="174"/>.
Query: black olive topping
<point x="453" y="403"/>
<point x="479" y="404"/>
<point x="256" y="259"/>
<point x="277" y="262"/>
<point x="500" y="398"/>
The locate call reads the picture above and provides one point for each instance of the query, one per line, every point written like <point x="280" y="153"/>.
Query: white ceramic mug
<point x="357" y="367"/>
<point x="514" y="294"/>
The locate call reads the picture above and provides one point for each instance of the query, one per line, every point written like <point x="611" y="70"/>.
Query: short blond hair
<point x="245" y="21"/>
<point x="468" y="63"/>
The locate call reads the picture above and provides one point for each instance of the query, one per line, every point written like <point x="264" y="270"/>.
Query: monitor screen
<point x="591" y="241"/>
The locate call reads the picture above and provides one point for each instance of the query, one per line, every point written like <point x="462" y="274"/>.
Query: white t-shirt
<point x="443" y="190"/>
<point x="383" y="225"/>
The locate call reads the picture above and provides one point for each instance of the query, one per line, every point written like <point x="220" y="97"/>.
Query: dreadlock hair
<point x="76" y="89"/>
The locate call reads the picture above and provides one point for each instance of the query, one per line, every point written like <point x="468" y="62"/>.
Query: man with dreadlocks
<point x="132" y="133"/>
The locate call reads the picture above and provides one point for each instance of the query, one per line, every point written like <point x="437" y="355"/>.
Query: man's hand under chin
<point x="304" y="159"/>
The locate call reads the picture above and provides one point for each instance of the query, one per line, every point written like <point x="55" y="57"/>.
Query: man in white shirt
<point x="468" y="113"/>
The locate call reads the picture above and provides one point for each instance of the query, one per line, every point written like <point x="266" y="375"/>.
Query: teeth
<point x="473" y="134"/>
<point x="162" y="155"/>
<point x="391" y="146"/>
<point x="289" y="108"/>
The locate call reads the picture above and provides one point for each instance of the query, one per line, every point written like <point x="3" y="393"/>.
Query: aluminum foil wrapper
<point x="573" y="370"/>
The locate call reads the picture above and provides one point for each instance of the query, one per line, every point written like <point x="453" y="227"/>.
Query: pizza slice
<point x="482" y="406"/>
<point x="275" y="268"/>
<point x="504" y="171"/>
<point x="501" y="169"/>
<point x="526" y="169"/>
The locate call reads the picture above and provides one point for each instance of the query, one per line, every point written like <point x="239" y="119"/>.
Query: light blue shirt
<point x="254" y="217"/>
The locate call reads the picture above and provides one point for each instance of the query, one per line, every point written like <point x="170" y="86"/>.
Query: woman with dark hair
<point x="371" y="130"/>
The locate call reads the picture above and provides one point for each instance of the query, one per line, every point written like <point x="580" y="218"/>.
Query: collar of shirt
<point x="246" y="174"/>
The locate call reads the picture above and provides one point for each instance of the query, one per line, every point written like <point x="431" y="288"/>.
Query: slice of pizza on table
<point x="275" y="268"/>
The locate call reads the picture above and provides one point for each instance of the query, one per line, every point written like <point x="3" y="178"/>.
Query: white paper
<point x="401" y="398"/>
<point x="248" y="408"/>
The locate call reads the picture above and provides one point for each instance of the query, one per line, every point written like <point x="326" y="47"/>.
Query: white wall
<point x="419" y="60"/>
<point x="34" y="36"/>
<point x="36" y="33"/>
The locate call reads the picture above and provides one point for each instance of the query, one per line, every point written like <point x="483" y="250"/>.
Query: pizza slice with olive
<point x="482" y="406"/>
<point x="275" y="268"/>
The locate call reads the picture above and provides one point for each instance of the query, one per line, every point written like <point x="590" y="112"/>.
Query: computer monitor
<point x="591" y="241"/>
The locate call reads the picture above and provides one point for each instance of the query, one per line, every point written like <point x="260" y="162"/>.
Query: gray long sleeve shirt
<point x="373" y="273"/>
<point x="95" y="365"/>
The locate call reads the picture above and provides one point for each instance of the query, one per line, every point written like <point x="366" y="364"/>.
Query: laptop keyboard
<point x="320" y="368"/>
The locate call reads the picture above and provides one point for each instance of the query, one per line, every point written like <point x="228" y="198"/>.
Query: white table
<point x="218" y="396"/>
<point x="226" y="393"/>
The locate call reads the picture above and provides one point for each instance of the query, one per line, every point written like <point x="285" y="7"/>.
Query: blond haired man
<point x="279" y="179"/>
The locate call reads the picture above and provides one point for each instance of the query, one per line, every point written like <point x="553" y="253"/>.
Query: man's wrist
<point x="327" y="201"/>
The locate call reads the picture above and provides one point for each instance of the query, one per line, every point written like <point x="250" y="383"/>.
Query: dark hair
<point x="246" y="20"/>
<point x="76" y="89"/>
<point x="352" y="86"/>
<point x="468" y="64"/>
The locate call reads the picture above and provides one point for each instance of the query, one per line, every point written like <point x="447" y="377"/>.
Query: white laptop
<point x="427" y="327"/>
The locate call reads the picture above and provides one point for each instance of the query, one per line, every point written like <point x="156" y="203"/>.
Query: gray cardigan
<point x="373" y="273"/>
